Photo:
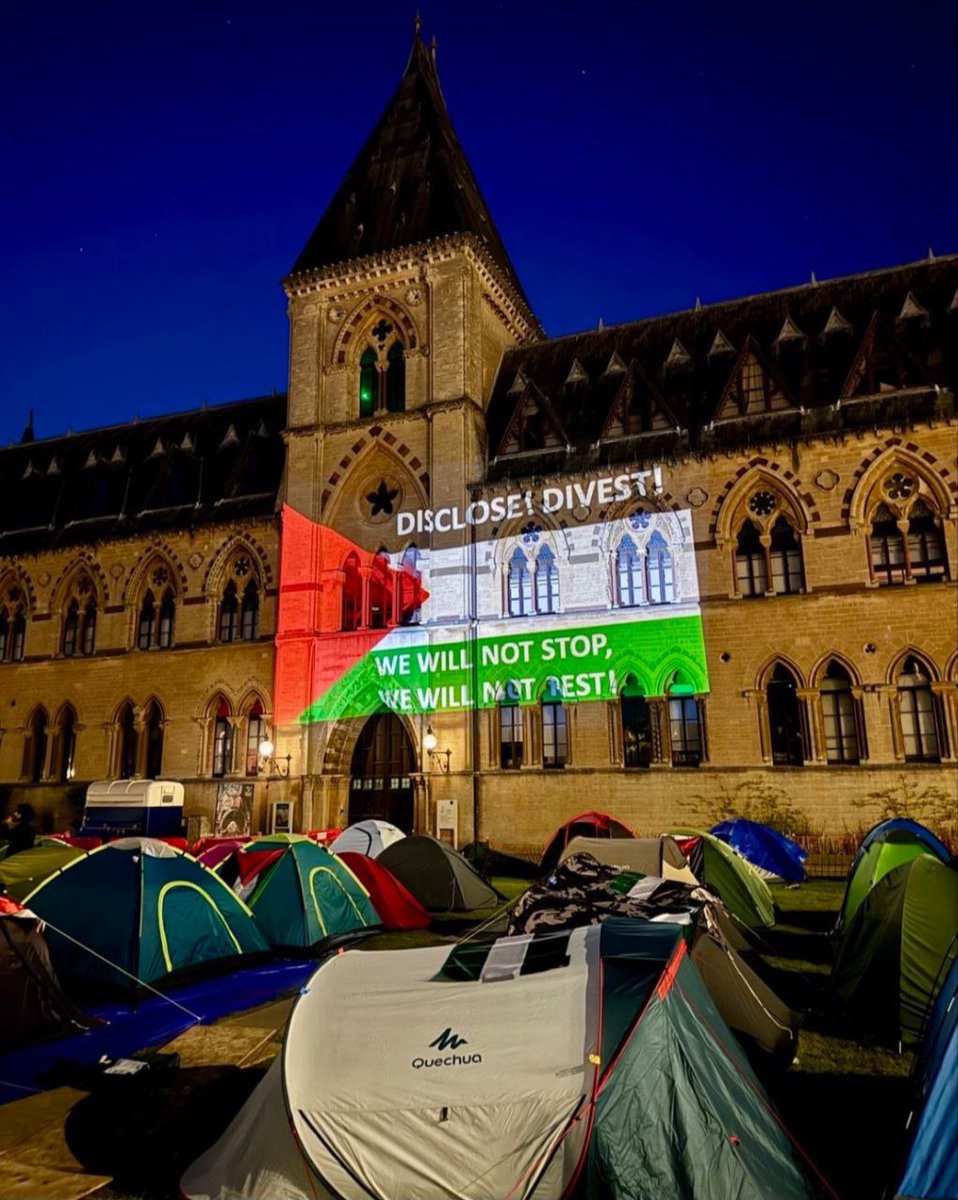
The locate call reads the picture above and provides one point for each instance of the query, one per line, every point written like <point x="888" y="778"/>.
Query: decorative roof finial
<point x="813" y="279"/>
<point x="698" y="303"/>
<point x="433" y="47"/>
<point x="417" y="23"/>
<point x="931" y="254"/>
<point x="28" y="434"/>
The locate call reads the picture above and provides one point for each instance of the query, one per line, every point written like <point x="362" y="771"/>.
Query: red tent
<point x="396" y="907"/>
<point x="590" y="824"/>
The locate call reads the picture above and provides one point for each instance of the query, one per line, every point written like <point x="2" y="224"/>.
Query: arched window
<point x="786" y="556"/>
<point x="658" y="562"/>
<point x="628" y="573"/>
<point x="249" y="622"/>
<point x="153" y="729"/>
<point x="222" y="740"/>
<point x="926" y="550"/>
<point x="685" y="724"/>
<point x="555" y="744"/>
<point x="918" y="712"/>
<point x="519" y="585"/>
<point x="18" y="635"/>
<point x="638" y="747"/>
<point x="4" y="634"/>
<point x="128" y="742"/>
<point x="396" y="378"/>
<point x="368" y="382"/>
<point x="88" y="629"/>
<point x="841" y="716"/>
<point x="409" y="587"/>
<point x="785" y="722"/>
<point x="144" y="629"/>
<point x="229" y="611"/>
<point x="887" y="544"/>
<point x="510" y="734"/>
<point x="71" y="629"/>
<point x="352" y="593"/>
<point x="66" y="745"/>
<point x="255" y="733"/>
<point x="35" y="746"/>
<point x="751" y="572"/>
<point x="380" y="593"/>
<point x="164" y="631"/>
<point x="547" y="582"/>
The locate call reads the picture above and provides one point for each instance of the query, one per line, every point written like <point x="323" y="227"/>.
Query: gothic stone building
<point x="803" y="442"/>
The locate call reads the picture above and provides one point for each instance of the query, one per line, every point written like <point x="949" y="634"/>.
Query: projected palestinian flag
<point x="361" y="633"/>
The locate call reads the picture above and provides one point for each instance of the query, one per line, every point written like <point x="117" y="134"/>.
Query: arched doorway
<point x="383" y="764"/>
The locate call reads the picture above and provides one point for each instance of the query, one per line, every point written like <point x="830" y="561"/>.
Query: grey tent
<point x="438" y="876"/>
<point x="659" y="856"/>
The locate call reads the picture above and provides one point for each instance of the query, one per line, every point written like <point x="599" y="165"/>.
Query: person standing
<point x="20" y="831"/>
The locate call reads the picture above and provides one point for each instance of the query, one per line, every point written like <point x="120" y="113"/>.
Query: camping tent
<point x="661" y="856"/>
<point x="439" y="1086"/>
<point x="590" y="825"/>
<point x="771" y="853"/>
<point x="396" y="906"/>
<point x="366" y="837"/>
<point x="885" y="846"/>
<point x="489" y="861"/>
<point x="145" y="909"/>
<point x="22" y="873"/>
<point x="31" y="1000"/>
<point x="302" y="896"/>
<point x="932" y="1167"/>
<point x="896" y="951"/>
<point x="743" y="891"/>
<point x="438" y="876"/>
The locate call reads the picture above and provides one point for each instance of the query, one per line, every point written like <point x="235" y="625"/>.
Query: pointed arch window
<point x="128" y="742"/>
<point x="638" y="743"/>
<point x="519" y="585"/>
<point x="88" y="628"/>
<point x="547" y="582"/>
<point x="18" y="635"/>
<point x="352" y="593"/>
<point x="249" y="615"/>
<point x="659" y="571"/>
<point x="841" y="717"/>
<point x="887" y="544"/>
<point x="255" y="733"/>
<point x="787" y="732"/>
<point x="4" y="634"/>
<point x="396" y="378"/>
<point x="685" y="725"/>
<point x="380" y="593"/>
<point x="786" y="558"/>
<point x="222" y="740"/>
<point x="751" y="573"/>
<point x="382" y="371"/>
<point x="71" y="629"/>
<point x="926" y="550"/>
<point x="35" y="746"/>
<point x="510" y="733"/>
<point x="66" y="745"/>
<point x="628" y="573"/>
<point x="368" y="382"/>
<point x="153" y="731"/>
<point x="409" y="587"/>
<point x="144" y="629"/>
<point x="555" y="735"/>
<point x="229" y="613"/>
<point x="918" y="713"/>
<point x="167" y="621"/>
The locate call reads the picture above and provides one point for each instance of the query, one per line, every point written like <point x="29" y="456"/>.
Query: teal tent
<point x="303" y="896"/>
<point x="886" y="846"/>
<point x="135" y="910"/>
<point x="895" y="952"/>
<point x="742" y="890"/>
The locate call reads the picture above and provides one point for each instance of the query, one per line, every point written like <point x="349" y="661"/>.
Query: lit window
<point x="751" y="572"/>
<point x="786" y="556"/>
<point x="659" y="570"/>
<point x="628" y="571"/>
<point x="367" y="382"/>
<point x="554" y="735"/>
<point x="547" y="582"/>
<point x="519" y="585"/>
<point x="685" y="729"/>
<point x="887" y="544"/>
<point x="510" y="735"/>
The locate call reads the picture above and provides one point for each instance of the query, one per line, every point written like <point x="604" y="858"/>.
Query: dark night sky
<point x="162" y="165"/>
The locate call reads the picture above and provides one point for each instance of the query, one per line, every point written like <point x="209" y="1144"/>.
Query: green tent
<point x="22" y="873"/>
<point x="895" y="952"/>
<point x="136" y="910"/>
<point x="742" y="890"/>
<point x="303" y="895"/>
<point x="886" y="846"/>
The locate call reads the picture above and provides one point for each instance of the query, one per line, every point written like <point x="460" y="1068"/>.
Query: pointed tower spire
<point x="28" y="434"/>
<point x="410" y="183"/>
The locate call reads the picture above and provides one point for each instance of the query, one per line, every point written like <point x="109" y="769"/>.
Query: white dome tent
<point x="367" y="837"/>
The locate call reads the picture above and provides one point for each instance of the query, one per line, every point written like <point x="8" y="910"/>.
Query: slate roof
<point x="840" y="354"/>
<point x="208" y="465"/>
<point x="410" y="183"/>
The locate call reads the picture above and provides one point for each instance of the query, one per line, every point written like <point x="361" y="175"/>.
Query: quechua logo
<point x="447" y="1040"/>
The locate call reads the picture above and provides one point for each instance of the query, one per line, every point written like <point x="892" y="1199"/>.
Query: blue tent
<point x="764" y="848"/>
<point x="932" y="1168"/>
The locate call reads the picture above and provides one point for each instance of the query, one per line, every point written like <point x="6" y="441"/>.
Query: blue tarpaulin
<point x="152" y="1022"/>
<point x="764" y="848"/>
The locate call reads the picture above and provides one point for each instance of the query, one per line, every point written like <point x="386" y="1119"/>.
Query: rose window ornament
<point x="530" y="532"/>
<point x="381" y="500"/>
<point x="762" y="504"/>
<point x="640" y="520"/>
<point x="160" y="576"/>
<point x="899" y="486"/>
<point x="241" y="566"/>
<point x="84" y="586"/>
